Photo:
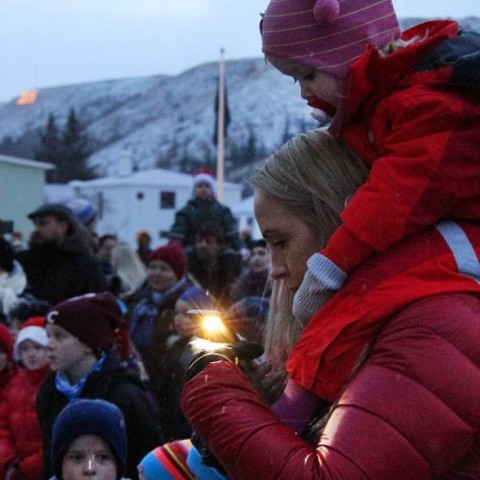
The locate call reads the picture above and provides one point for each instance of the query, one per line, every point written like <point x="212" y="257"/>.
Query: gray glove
<point x="322" y="280"/>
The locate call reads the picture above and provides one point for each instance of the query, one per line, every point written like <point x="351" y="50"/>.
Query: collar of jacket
<point x="373" y="75"/>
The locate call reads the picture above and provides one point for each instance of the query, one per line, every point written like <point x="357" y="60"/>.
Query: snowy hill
<point x="165" y="118"/>
<point x="160" y="120"/>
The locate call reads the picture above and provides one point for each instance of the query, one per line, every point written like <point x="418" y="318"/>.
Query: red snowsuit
<point x="421" y="137"/>
<point x="20" y="436"/>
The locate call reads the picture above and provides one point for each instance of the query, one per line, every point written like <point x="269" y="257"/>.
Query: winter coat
<point x="216" y="276"/>
<point x="441" y="260"/>
<point x="175" y="363"/>
<point x="57" y="272"/>
<point x="6" y="344"/>
<point x="118" y="385"/>
<point x="252" y="284"/>
<point x="196" y="212"/>
<point x="20" y="436"/>
<point x="419" y="132"/>
<point x="409" y="411"/>
<point x="151" y="323"/>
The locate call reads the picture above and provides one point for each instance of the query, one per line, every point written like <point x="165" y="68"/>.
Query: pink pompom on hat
<point x="328" y="35"/>
<point x="205" y="175"/>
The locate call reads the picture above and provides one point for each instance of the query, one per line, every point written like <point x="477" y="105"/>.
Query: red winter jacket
<point x="441" y="260"/>
<point x="412" y="411"/>
<point x="421" y="138"/>
<point x="20" y="436"/>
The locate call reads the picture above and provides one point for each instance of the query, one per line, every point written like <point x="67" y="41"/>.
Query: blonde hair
<point x="313" y="175"/>
<point x="129" y="268"/>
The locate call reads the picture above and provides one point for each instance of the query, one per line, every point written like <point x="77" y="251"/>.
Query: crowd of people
<point x="351" y="331"/>
<point x="87" y="316"/>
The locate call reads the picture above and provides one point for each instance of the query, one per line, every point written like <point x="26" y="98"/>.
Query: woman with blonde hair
<point x="396" y="350"/>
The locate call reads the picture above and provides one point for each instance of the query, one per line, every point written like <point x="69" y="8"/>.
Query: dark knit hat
<point x="92" y="318"/>
<point x="89" y="417"/>
<point x="56" y="209"/>
<point x="172" y="254"/>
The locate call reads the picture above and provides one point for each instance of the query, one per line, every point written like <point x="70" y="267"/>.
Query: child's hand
<point x="322" y="280"/>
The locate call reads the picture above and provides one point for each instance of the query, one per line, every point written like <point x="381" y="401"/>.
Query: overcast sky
<point x="58" y="42"/>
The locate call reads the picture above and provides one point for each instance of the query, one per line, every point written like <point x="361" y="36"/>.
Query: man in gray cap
<point x="58" y="263"/>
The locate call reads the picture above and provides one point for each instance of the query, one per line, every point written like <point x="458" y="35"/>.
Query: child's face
<point x="32" y="355"/>
<point x="65" y="351"/>
<point x="184" y="325"/>
<point x="202" y="190"/>
<point x="315" y="85"/>
<point x="160" y="275"/>
<point x="258" y="259"/>
<point x="89" y="456"/>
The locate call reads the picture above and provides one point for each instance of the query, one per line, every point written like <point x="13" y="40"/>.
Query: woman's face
<point x="290" y="239"/>
<point x="315" y="85"/>
<point x="89" y="456"/>
<point x="160" y="275"/>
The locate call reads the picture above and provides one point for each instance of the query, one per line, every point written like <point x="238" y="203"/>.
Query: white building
<point x="145" y="200"/>
<point x="22" y="184"/>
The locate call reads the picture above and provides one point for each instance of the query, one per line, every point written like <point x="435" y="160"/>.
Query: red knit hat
<point x="172" y="254"/>
<point x="92" y="318"/>
<point x="327" y="34"/>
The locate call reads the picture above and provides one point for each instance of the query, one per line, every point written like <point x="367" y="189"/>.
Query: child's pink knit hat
<point x="327" y="34"/>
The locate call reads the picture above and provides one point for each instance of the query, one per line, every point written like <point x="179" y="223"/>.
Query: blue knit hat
<point x="198" y="298"/>
<point x="83" y="210"/>
<point x="89" y="417"/>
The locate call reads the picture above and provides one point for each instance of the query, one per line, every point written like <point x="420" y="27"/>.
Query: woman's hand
<point x="269" y="384"/>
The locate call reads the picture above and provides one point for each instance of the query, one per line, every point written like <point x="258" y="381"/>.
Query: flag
<point x="226" y="113"/>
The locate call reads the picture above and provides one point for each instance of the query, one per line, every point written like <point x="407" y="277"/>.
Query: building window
<point x="167" y="200"/>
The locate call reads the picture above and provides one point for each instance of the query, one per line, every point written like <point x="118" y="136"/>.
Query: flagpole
<point x="221" y="128"/>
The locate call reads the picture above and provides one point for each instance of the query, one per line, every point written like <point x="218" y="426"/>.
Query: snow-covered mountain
<point x="161" y="119"/>
<point x="167" y="116"/>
